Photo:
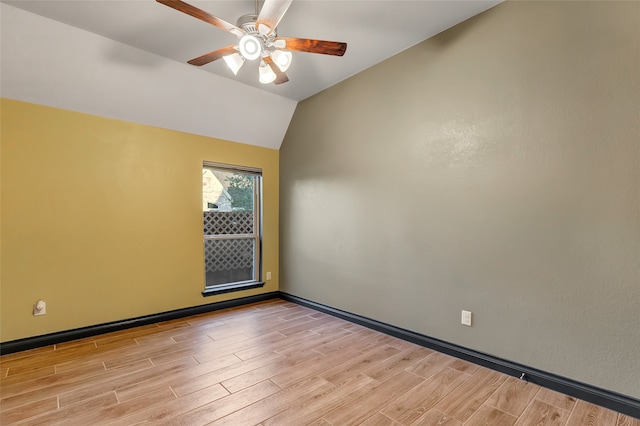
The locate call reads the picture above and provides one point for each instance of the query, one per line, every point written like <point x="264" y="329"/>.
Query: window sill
<point x="229" y="288"/>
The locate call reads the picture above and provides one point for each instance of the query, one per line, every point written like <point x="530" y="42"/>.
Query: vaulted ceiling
<point x="127" y="59"/>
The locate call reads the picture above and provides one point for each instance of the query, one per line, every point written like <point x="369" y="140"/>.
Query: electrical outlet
<point x="40" y="308"/>
<point x="466" y="318"/>
<point x="268" y="276"/>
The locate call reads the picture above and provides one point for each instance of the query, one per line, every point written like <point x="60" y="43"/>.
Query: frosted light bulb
<point x="266" y="74"/>
<point x="282" y="59"/>
<point x="234" y="62"/>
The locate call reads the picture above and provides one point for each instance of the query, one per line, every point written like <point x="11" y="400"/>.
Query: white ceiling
<point x="126" y="59"/>
<point x="374" y="30"/>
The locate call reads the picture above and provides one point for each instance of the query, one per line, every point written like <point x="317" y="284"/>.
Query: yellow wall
<point x="102" y="218"/>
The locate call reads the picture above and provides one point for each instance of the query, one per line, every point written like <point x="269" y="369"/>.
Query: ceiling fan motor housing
<point x="248" y="23"/>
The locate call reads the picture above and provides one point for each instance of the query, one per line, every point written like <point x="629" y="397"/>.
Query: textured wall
<point x="103" y="219"/>
<point x="493" y="168"/>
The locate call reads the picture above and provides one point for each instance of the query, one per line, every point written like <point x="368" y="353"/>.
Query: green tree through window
<point x="241" y="190"/>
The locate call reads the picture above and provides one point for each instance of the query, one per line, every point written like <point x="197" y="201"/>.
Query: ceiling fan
<point x="257" y="39"/>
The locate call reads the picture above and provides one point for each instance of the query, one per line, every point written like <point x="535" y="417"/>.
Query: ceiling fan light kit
<point x="250" y="47"/>
<point x="282" y="59"/>
<point x="258" y="40"/>
<point x="266" y="73"/>
<point x="234" y="62"/>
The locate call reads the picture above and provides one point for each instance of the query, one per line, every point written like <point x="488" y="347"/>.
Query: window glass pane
<point x="227" y="190"/>
<point x="229" y="261"/>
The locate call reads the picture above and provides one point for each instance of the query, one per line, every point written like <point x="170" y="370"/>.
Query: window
<point x="231" y="222"/>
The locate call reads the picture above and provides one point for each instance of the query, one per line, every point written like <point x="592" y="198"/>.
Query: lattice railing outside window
<point x="223" y="255"/>
<point x="228" y="223"/>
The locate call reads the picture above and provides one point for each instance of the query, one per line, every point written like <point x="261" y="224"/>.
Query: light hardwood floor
<point x="271" y="363"/>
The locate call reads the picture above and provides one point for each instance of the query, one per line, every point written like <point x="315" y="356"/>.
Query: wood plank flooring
<point x="271" y="363"/>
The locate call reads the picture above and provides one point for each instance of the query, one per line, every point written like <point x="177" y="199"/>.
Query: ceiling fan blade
<point x="202" y="15"/>
<point x="212" y="56"/>
<point x="335" y="48"/>
<point x="270" y="15"/>
<point x="280" y="76"/>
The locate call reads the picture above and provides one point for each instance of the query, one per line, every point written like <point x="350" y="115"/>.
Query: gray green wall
<point x="493" y="168"/>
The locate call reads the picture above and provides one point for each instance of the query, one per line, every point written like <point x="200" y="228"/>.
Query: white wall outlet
<point x="268" y="276"/>
<point x="40" y="308"/>
<point x="466" y="318"/>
